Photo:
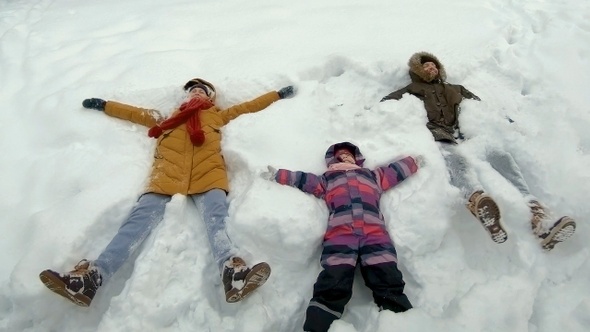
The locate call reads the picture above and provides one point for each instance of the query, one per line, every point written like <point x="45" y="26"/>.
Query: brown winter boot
<point x="487" y="212"/>
<point x="560" y="231"/>
<point x="239" y="280"/>
<point x="79" y="285"/>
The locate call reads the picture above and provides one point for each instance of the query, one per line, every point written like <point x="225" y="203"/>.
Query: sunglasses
<point x="202" y="87"/>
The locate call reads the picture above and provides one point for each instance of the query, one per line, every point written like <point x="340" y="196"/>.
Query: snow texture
<point x="70" y="175"/>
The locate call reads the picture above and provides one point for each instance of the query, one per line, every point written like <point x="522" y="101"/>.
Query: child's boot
<point x="561" y="230"/>
<point x="78" y="286"/>
<point x="239" y="280"/>
<point x="487" y="212"/>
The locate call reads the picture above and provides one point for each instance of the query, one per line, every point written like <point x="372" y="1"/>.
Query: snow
<point x="70" y="175"/>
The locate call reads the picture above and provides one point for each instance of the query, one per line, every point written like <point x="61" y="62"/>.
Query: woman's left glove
<point x="286" y="92"/>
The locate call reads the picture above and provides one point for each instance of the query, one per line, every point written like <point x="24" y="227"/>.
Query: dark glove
<point x="391" y="96"/>
<point x="285" y="92"/>
<point x="94" y="103"/>
<point x="471" y="95"/>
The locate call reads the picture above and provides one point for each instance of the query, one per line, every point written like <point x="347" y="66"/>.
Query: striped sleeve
<point x="394" y="173"/>
<point x="306" y="182"/>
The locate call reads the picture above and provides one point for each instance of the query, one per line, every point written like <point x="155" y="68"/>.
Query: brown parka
<point x="179" y="166"/>
<point x="441" y="99"/>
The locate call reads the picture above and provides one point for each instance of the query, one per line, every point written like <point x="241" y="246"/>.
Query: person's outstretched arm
<point x="468" y="94"/>
<point x="257" y="104"/>
<point x="397" y="95"/>
<point x="391" y="175"/>
<point x="306" y="182"/>
<point x="141" y="116"/>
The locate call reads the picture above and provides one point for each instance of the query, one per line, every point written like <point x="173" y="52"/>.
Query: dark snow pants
<point x="333" y="288"/>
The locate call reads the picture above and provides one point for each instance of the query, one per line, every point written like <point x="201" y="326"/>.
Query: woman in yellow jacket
<point x="187" y="161"/>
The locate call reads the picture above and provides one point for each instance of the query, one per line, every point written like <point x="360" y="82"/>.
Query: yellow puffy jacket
<point x="179" y="166"/>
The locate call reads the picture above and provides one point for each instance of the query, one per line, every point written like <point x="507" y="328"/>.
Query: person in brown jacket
<point x="187" y="161"/>
<point x="441" y="101"/>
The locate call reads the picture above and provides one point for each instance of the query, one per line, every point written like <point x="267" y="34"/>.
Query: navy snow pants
<point x="333" y="288"/>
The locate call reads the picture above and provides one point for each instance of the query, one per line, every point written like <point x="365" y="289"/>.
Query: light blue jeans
<point x="147" y="214"/>
<point x="463" y="176"/>
<point x="504" y="163"/>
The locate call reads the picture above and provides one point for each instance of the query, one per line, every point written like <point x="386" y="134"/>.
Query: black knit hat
<point x="199" y="81"/>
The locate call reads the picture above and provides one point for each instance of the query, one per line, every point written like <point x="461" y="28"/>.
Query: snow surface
<point x="69" y="175"/>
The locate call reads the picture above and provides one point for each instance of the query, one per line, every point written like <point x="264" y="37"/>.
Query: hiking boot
<point x="487" y="212"/>
<point x="239" y="280"/>
<point x="560" y="231"/>
<point x="78" y="286"/>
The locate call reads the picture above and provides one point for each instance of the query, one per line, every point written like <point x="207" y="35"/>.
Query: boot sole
<point x="488" y="214"/>
<point x="564" y="228"/>
<point x="58" y="287"/>
<point x="256" y="278"/>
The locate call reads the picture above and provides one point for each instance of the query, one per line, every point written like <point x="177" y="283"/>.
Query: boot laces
<point x="539" y="217"/>
<point x="85" y="267"/>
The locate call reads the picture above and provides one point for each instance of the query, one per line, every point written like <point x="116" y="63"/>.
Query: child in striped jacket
<point x="356" y="232"/>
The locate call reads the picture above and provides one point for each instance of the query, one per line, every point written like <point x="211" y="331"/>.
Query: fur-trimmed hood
<point x="331" y="159"/>
<point x="418" y="74"/>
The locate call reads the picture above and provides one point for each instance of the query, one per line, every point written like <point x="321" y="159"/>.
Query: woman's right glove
<point x="270" y="174"/>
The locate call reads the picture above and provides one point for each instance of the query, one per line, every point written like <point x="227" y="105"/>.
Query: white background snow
<point x="69" y="175"/>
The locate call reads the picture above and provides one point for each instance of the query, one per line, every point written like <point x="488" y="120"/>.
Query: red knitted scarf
<point x="189" y="114"/>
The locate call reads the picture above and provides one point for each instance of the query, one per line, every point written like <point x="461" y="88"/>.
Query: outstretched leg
<point x="550" y="233"/>
<point x="239" y="280"/>
<point x="213" y="207"/>
<point x="379" y="269"/>
<point x="80" y="284"/>
<point x="333" y="287"/>
<point x="462" y="176"/>
<point x="504" y="163"/>
<point x="480" y="204"/>
<point x="145" y="216"/>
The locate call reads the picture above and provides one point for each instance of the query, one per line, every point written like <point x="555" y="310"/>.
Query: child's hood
<point x="331" y="159"/>
<point x="417" y="73"/>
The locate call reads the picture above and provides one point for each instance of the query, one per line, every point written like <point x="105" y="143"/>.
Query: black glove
<point x="471" y="95"/>
<point x="94" y="103"/>
<point x="392" y="96"/>
<point x="285" y="92"/>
